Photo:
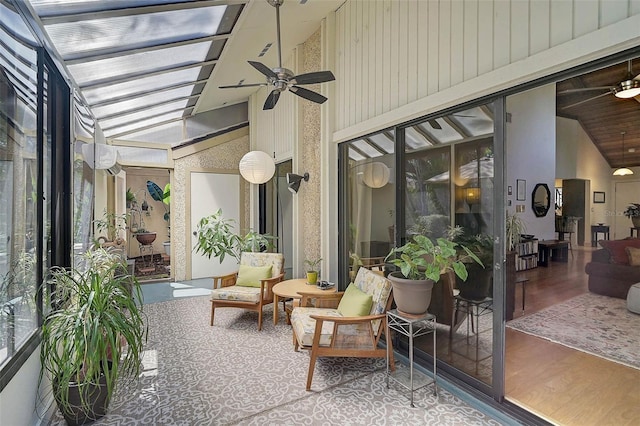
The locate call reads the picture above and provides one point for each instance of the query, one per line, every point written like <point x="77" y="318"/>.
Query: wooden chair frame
<point x="266" y="295"/>
<point x="369" y="350"/>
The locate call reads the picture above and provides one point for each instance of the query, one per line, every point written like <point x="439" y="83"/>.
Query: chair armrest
<point x="266" y="287"/>
<point x="349" y="320"/>
<point x="225" y="280"/>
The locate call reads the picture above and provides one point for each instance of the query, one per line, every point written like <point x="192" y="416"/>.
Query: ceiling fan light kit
<point x="282" y="79"/>
<point x="627" y="89"/>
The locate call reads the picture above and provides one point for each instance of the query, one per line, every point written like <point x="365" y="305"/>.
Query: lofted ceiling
<point x="145" y="63"/>
<point x="602" y="115"/>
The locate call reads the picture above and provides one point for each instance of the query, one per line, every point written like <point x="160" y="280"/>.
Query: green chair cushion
<point x="355" y="302"/>
<point x="250" y="276"/>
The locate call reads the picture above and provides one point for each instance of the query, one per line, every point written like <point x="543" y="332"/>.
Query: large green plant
<point x="421" y="258"/>
<point x="96" y="328"/>
<point x="217" y="238"/>
<point x="515" y="227"/>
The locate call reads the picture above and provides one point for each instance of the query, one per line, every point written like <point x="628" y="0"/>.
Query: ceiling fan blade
<point x="263" y="69"/>
<point x="585" y="100"/>
<point x="313" y="77"/>
<point x="308" y="94"/>
<point x="435" y="124"/>
<point x="272" y="100"/>
<point x="584" y="89"/>
<point x="242" y="85"/>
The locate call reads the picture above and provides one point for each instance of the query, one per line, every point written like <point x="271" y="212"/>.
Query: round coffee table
<point x="289" y="290"/>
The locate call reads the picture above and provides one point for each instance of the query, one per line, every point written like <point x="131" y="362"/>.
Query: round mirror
<point x="541" y="200"/>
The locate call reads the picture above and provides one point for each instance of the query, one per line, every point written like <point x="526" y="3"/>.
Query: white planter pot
<point x="167" y="247"/>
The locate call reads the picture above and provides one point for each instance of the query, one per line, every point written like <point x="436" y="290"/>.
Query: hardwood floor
<point x="560" y="384"/>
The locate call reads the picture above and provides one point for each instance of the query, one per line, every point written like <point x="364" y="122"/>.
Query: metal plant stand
<point x="411" y="327"/>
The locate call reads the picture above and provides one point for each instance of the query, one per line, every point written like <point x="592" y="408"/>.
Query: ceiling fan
<point x="283" y="79"/>
<point x="627" y="88"/>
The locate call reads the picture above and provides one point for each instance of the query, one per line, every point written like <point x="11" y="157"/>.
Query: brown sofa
<point x="609" y="271"/>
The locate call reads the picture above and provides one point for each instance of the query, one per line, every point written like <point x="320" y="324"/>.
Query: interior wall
<point x="531" y="140"/>
<point x="578" y="158"/>
<point x="223" y="152"/>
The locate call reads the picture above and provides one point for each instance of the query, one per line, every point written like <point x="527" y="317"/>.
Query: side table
<point x="411" y="327"/>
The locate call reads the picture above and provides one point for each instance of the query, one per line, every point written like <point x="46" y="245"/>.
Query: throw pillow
<point x="250" y="276"/>
<point x="355" y="302"/>
<point x="617" y="249"/>
<point x="634" y="256"/>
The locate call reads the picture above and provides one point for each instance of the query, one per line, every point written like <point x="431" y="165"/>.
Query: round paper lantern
<point x="376" y="175"/>
<point x="257" y="167"/>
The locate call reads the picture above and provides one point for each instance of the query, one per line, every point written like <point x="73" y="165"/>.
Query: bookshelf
<point x="527" y="254"/>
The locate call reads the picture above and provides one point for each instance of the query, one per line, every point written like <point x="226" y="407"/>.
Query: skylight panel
<point x="141" y="85"/>
<point x="355" y="155"/>
<point x="134" y="31"/>
<point x="108" y="123"/>
<point x="66" y="7"/>
<point x="141" y="124"/>
<point x="367" y="149"/>
<point x="383" y="142"/>
<point x="415" y="140"/>
<point x="102" y="70"/>
<point x="141" y="102"/>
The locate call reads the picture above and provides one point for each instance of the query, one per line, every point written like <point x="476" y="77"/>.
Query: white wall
<point x="19" y="399"/>
<point x="531" y="153"/>
<point x="577" y="157"/>
<point x="398" y="60"/>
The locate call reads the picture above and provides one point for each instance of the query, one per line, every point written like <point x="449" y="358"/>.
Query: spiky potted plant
<point x="93" y="335"/>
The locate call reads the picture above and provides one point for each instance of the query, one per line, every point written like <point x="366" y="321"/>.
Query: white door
<point x="626" y="193"/>
<point x="210" y="192"/>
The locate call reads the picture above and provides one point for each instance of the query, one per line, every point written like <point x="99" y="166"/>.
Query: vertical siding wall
<point x="390" y="53"/>
<point x="275" y="131"/>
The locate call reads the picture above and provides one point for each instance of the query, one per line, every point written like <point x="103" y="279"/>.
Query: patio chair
<point x="352" y="329"/>
<point x="250" y="288"/>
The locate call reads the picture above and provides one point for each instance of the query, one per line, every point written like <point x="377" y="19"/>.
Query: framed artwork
<point x="598" y="197"/>
<point x="521" y="189"/>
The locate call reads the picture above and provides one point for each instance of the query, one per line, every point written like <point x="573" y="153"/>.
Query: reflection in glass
<point x="449" y="183"/>
<point x="18" y="191"/>
<point x="371" y="203"/>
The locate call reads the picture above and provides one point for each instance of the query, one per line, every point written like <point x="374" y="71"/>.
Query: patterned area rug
<point x="232" y="373"/>
<point x="598" y="325"/>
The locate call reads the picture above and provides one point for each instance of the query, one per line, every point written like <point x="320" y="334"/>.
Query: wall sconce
<point x="293" y="181"/>
<point x="472" y="195"/>
<point x="376" y="174"/>
<point x="257" y="167"/>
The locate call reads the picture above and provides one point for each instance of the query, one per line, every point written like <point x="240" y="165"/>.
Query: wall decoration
<point x="521" y="189"/>
<point x="509" y="190"/>
<point x="598" y="197"/>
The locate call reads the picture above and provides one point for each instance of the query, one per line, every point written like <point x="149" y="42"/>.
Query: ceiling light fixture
<point x="257" y="167"/>
<point x="376" y="174"/>
<point x="293" y="181"/>
<point x="629" y="88"/>
<point x="622" y="171"/>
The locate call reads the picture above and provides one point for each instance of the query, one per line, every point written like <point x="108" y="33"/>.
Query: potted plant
<point x="478" y="285"/>
<point x="113" y="225"/>
<point x="515" y="227"/>
<point x="93" y="334"/>
<point x="131" y="198"/>
<point x="420" y="263"/>
<point x="633" y="212"/>
<point x="217" y="238"/>
<point x="312" y="270"/>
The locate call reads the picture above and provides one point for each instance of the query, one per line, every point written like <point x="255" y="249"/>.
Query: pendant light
<point x="622" y="171"/>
